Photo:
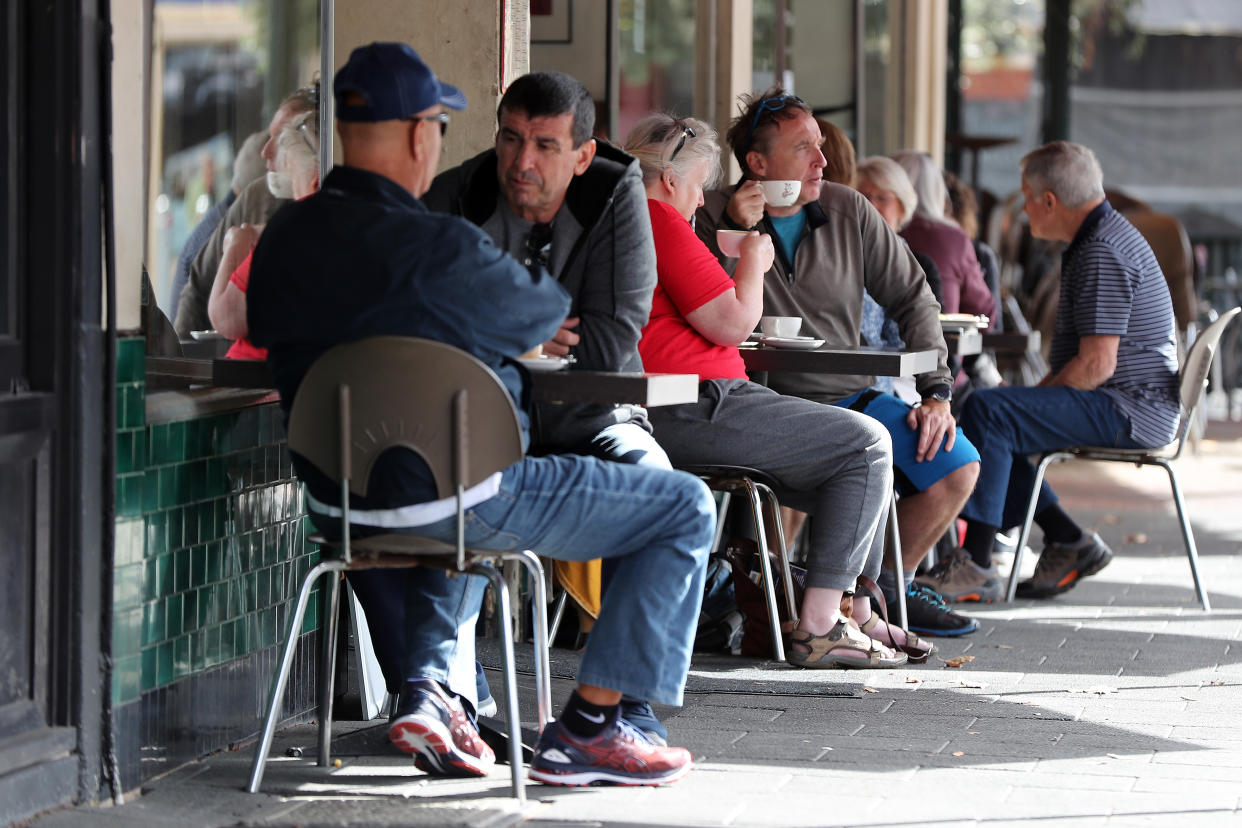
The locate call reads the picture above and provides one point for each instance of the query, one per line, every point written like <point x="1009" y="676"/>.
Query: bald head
<point x="404" y="150"/>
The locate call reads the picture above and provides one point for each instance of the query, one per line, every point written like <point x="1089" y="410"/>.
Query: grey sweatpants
<point x="831" y="462"/>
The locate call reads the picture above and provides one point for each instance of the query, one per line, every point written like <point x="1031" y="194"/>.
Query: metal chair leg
<point x="327" y="671"/>
<point x="774" y="509"/>
<point x="282" y="673"/>
<point x="765" y="567"/>
<point x="721" y="516"/>
<point x="1188" y="535"/>
<point x="899" y="574"/>
<point x="558" y="614"/>
<point x="501" y="589"/>
<point x="543" y="663"/>
<point x="1044" y="462"/>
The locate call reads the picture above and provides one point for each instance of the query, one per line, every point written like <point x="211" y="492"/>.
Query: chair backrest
<point x="360" y="399"/>
<point x="1197" y="364"/>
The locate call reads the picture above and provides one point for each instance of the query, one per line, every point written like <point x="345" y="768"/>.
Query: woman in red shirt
<point x="296" y="176"/>
<point x="831" y="462"/>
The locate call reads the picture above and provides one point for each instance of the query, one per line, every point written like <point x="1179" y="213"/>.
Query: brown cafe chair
<point x="359" y="400"/>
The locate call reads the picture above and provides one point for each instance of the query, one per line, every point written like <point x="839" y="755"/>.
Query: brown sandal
<point x="916" y="648"/>
<point x="830" y="650"/>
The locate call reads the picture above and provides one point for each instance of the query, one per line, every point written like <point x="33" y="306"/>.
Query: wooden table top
<point x="600" y="387"/>
<point x="862" y="360"/>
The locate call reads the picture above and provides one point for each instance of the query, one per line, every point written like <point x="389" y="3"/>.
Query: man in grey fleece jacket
<point x="549" y="194"/>
<point x="832" y="244"/>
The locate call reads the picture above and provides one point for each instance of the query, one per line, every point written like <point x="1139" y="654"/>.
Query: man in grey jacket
<point x="832" y="244"/>
<point x="549" y="194"/>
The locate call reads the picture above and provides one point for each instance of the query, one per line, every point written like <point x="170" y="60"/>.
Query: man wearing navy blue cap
<point x="364" y="257"/>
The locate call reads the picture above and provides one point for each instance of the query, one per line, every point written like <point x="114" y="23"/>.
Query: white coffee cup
<point x="781" y="193"/>
<point x="730" y="242"/>
<point x="783" y="326"/>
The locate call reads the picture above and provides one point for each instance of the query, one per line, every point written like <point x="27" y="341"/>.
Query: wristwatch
<point x="940" y="393"/>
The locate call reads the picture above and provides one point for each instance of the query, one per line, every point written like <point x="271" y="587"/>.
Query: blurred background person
<point x="296" y="176"/>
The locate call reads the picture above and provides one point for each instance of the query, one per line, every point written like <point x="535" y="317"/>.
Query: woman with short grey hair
<point x="885" y="184"/>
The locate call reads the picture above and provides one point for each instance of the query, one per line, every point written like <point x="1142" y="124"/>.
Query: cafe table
<point x="862" y="360"/>
<point x="602" y="387"/>
<point x="963" y="343"/>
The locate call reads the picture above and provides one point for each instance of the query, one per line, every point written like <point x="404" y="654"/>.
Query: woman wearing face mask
<point x="296" y="176"/>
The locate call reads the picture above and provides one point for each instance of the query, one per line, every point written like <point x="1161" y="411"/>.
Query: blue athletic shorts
<point x="912" y="476"/>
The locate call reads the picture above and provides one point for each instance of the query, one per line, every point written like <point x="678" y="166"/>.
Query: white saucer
<point x="545" y="363"/>
<point x="207" y="336"/>
<point x="797" y="343"/>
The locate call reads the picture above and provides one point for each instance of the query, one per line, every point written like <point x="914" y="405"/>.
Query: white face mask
<point x="280" y="185"/>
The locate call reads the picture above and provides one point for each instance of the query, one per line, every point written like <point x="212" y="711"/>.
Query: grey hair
<point x="297" y="146"/>
<point x="654" y="139"/>
<point x="887" y="174"/>
<point x="1070" y="171"/>
<point x="927" y="181"/>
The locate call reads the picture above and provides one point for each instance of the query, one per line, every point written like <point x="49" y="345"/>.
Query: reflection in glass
<point x="218" y="71"/>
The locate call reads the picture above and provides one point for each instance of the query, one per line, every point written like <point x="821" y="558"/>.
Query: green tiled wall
<point x="210" y="538"/>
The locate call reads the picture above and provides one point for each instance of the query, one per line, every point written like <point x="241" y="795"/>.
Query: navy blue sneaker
<point x="642" y="718"/>
<point x="928" y="614"/>
<point x="433" y="725"/>
<point x="619" y="755"/>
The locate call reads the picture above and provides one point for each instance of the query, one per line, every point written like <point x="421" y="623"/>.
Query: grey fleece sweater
<point x="846" y="247"/>
<point x="610" y="275"/>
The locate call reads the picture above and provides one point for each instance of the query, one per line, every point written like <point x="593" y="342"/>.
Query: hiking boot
<point x="928" y="614"/>
<point x="619" y="755"/>
<point x="642" y="718"/>
<point x="433" y="725"/>
<point x="958" y="578"/>
<point x="1062" y="565"/>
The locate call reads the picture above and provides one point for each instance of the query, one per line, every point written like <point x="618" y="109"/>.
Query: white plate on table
<point x="795" y="343"/>
<point x="207" y="336"/>
<point x="963" y="321"/>
<point x="545" y="362"/>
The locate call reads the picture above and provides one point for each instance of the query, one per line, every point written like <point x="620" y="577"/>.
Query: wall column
<point x="920" y="50"/>
<point x="478" y="46"/>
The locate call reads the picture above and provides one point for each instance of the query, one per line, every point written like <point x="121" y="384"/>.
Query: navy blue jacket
<point x="363" y="257"/>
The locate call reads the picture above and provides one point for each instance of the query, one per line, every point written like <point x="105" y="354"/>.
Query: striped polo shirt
<point x="1112" y="285"/>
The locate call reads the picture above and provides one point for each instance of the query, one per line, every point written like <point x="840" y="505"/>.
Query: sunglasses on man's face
<point x="773" y="104"/>
<point x="442" y="117"/>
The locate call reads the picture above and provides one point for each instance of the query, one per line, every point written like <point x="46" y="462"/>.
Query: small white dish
<point x="795" y="343"/>
<point x="545" y="363"/>
<point x="207" y="336"/>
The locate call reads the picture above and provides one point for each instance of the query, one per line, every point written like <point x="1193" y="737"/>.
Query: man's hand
<point x="746" y="206"/>
<point x="934" y="423"/>
<point x="565" y="339"/>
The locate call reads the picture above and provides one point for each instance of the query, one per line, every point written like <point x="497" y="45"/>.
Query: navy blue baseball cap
<point x="393" y="82"/>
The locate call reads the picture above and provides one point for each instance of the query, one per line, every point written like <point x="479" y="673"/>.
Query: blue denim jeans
<point x="657" y="525"/>
<point x="1007" y="424"/>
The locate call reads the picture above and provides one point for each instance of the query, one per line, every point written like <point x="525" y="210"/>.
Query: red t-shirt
<point x="689" y="278"/>
<point x="242" y="349"/>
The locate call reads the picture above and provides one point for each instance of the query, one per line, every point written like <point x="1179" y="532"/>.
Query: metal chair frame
<point x="359" y="400"/>
<point x="1194" y="375"/>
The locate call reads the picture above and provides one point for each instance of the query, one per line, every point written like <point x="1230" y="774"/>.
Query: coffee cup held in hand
<point x="782" y="326"/>
<point x="730" y="242"/>
<point x="781" y="193"/>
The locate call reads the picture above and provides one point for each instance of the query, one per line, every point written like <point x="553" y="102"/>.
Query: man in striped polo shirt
<point x="1113" y="379"/>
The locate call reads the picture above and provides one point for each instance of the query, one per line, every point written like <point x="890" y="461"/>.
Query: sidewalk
<point x="1119" y="703"/>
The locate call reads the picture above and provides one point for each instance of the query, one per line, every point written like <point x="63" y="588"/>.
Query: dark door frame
<point x="61" y="83"/>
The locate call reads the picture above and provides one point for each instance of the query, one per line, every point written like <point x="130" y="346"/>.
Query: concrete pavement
<point x="1119" y="703"/>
